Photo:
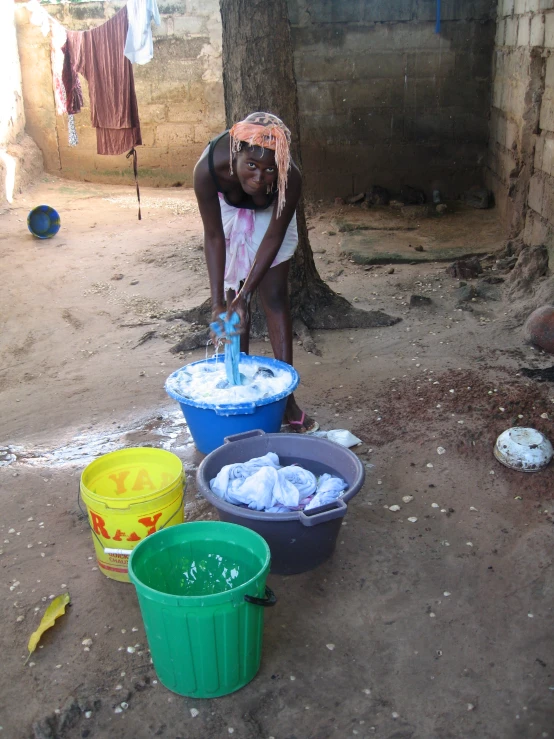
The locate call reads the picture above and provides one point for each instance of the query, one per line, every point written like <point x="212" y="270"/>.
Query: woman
<point x="247" y="189"/>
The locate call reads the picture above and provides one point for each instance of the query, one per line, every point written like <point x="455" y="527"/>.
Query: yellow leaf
<point x="54" y="611"/>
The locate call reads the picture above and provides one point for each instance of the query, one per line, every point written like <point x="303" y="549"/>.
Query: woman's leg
<point x="273" y="291"/>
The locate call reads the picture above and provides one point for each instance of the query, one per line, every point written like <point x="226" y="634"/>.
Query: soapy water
<point x="207" y="383"/>
<point x="165" y="431"/>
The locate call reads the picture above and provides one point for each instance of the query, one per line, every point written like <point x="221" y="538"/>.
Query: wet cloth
<point x="244" y="230"/>
<point x="232" y="345"/>
<point x="98" y="55"/>
<point x="329" y="489"/>
<point x="139" y="48"/>
<point x="263" y="485"/>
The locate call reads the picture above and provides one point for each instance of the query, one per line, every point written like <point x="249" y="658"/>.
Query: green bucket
<point x="200" y="587"/>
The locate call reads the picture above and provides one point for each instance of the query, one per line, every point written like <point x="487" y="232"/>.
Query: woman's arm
<point x="214" y="238"/>
<point x="273" y="238"/>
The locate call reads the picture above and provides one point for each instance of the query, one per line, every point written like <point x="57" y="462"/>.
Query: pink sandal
<point x="300" y="424"/>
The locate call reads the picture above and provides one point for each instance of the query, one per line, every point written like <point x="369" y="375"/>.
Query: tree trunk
<point x="258" y="74"/>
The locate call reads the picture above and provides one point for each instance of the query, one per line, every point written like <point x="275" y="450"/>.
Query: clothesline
<point x="103" y="56"/>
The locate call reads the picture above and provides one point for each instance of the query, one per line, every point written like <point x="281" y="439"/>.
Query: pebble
<point x="19" y="619"/>
<point x="432" y="615"/>
<point x="446" y="594"/>
<point x="118" y="709"/>
<point x="430" y="465"/>
<point x="472" y="508"/>
<point x="88" y="714"/>
<point x="469" y="543"/>
<point x="131" y="650"/>
<point x="231" y="730"/>
<point x="124" y="705"/>
<point x="292" y="677"/>
<point x="530" y="615"/>
<point x="441" y="450"/>
<point x="394" y="508"/>
<point x="470" y="706"/>
<point x="434" y="505"/>
<point x="412" y="519"/>
<point x="87" y="642"/>
<point x="11" y="531"/>
<point x="194" y="712"/>
<point x="395" y="715"/>
<point x="407" y="498"/>
<point x="330" y="647"/>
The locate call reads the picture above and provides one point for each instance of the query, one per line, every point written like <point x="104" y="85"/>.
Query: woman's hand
<point x="240" y="306"/>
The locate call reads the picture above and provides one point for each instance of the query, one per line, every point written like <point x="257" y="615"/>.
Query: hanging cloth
<point x="113" y="103"/>
<point x="73" y="91"/>
<point x="139" y="48"/>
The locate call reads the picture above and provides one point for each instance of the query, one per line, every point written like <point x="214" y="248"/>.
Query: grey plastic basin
<point x="298" y="541"/>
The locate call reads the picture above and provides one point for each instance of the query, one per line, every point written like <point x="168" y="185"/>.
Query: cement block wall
<point x="383" y="98"/>
<point x="386" y="100"/>
<point x="179" y="93"/>
<point x="520" y="159"/>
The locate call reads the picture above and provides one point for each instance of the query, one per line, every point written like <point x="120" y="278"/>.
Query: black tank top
<point x="246" y="202"/>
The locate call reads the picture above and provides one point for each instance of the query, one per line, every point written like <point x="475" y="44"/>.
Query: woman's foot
<point x="298" y="422"/>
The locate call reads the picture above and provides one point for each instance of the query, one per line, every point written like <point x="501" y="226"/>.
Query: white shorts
<point x="244" y="231"/>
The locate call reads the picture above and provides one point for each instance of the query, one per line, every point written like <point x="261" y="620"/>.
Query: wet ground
<point x="433" y="621"/>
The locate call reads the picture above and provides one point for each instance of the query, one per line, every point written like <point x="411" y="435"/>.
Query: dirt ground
<point x="438" y="628"/>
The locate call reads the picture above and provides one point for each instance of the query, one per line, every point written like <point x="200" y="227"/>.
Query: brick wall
<point x="520" y="160"/>
<point x="386" y="100"/>
<point x="179" y="93"/>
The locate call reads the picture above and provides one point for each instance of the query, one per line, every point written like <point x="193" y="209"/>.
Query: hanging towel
<point x="139" y="48"/>
<point x="100" y="59"/>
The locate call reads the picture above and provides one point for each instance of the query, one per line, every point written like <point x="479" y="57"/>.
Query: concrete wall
<point x="19" y="158"/>
<point x="522" y="117"/>
<point x="385" y="100"/>
<point x="539" y="222"/>
<point x="179" y="92"/>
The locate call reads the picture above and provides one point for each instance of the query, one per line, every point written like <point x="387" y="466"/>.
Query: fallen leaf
<point x="54" y="611"/>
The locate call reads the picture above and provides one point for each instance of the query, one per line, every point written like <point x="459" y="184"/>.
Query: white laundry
<point x="239" y="471"/>
<point x="139" y="48"/>
<point x="262" y="485"/>
<point x="304" y="480"/>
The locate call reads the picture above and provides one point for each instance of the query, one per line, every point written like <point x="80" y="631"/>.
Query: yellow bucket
<point x="130" y="494"/>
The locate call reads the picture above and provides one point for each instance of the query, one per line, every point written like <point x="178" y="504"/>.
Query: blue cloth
<point x="232" y="346"/>
<point x="139" y="48"/>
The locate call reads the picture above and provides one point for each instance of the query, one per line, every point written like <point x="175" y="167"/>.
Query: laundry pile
<point x="262" y="484"/>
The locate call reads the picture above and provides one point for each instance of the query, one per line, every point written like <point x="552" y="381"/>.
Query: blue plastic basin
<point x="209" y="423"/>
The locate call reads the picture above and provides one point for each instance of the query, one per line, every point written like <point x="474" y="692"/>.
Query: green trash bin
<point x="201" y="588"/>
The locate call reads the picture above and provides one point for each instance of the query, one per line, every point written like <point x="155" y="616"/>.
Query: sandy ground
<point x="441" y="628"/>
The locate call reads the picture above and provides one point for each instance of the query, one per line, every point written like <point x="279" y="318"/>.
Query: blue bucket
<point x="209" y="423"/>
<point x="43" y="222"/>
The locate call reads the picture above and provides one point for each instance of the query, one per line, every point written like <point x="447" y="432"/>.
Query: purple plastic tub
<point x="298" y="541"/>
